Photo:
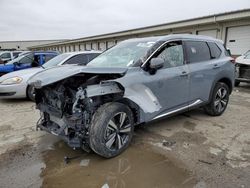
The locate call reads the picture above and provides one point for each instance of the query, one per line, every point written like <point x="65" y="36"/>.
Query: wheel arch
<point x="228" y="82"/>
<point x="137" y="115"/>
<point x="224" y="80"/>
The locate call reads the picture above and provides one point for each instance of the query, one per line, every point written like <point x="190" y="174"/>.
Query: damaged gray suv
<point x="139" y="80"/>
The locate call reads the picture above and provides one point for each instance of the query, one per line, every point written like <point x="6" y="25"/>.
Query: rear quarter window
<point x="215" y="50"/>
<point x="197" y="51"/>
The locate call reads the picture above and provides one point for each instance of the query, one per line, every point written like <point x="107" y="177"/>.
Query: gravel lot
<point x="188" y="150"/>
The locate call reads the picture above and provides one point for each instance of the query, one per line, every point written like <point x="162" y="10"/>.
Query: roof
<point x="46" y="52"/>
<point x="84" y="52"/>
<point x="175" y="36"/>
<point x="214" y="18"/>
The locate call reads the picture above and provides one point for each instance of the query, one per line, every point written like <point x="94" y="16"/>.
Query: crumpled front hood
<point x="58" y="73"/>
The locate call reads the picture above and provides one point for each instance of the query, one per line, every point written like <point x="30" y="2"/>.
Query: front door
<point x="25" y="62"/>
<point x="170" y="84"/>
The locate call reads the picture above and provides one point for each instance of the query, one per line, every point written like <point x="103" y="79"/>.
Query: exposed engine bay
<point x="67" y="106"/>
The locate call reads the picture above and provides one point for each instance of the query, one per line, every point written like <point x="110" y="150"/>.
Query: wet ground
<point x="45" y="166"/>
<point x="188" y="150"/>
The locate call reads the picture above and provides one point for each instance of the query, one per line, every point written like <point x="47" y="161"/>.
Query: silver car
<point x="14" y="85"/>
<point x="242" y="68"/>
<point x="97" y="106"/>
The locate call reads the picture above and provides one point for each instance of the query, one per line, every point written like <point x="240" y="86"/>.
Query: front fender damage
<point x="68" y="110"/>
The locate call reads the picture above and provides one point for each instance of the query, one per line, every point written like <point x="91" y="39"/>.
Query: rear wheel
<point x="31" y="93"/>
<point x="219" y="100"/>
<point x="111" y="129"/>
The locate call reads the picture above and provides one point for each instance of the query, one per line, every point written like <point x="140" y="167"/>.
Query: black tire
<point x="30" y="93"/>
<point x="219" y="101"/>
<point x="236" y="83"/>
<point x="105" y="140"/>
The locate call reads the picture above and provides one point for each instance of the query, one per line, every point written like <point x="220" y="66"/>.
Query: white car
<point x="14" y="84"/>
<point x="242" y="68"/>
<point x="6" y="56"/>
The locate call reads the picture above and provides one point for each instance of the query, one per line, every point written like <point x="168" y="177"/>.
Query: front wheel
<point x="31" y="93"/>
<point x="111" y="129"/>
<point x="219" y="101"/>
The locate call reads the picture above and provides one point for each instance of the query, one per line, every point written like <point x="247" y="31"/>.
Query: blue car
<point x="32" y="59"/>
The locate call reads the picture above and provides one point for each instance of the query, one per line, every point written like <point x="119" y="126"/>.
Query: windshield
<point x="124" y="54"/>
<point x="56" y="60"/>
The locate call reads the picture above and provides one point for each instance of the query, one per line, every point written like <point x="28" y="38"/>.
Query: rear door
<point x="203" y="67"/>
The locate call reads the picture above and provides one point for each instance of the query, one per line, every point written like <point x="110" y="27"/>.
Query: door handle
<point x="216" y="66"/>
<point x="184" y="73"/>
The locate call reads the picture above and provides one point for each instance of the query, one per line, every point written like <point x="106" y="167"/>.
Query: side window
<point x="6" y="55"/>
<point x="28" y="59"/>
<point x="15" y="54"/>
<point x="172" y="54"/>
<point x="78" y="59"/>
<point x="197" y="51"/>
<point x="47" y="57"/>
<point x="215" y="50"/>
<point x="92" y="56"/>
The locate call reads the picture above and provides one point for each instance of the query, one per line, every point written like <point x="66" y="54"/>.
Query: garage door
<point x="82" y="47"/>
<point x="94" y="46"/>
<point x="238" y="39"/>
<point x="88" y="46"/>
<point x="111" y="44"/>
<point x="102" y="46"/>
<point x="210" y="33"/>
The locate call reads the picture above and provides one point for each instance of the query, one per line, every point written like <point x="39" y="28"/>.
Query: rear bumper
<point x="13" y="91"/>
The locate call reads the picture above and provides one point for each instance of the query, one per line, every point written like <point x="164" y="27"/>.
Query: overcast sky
<point x="67" y="19"/>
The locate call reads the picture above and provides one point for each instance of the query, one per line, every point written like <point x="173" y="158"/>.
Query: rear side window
<point x="6" y="55"/>
<point x="15" y="54"/>
<point x="77" y="59"/>
<point x="197" y="51"/>
<point x="91" y="56"/>
<point x="227" y="52"/>
<point x="215" y="50"/>
<point x="81" y="59"/>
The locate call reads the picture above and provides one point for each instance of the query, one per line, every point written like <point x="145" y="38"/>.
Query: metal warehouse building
<point x="231" y="27"/>
<point x="23" y="45"/>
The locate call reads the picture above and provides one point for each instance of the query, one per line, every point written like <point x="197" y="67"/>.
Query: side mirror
<point x="156" y="63"/>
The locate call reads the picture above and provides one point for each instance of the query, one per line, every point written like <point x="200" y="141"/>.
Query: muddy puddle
<point x="138" y="167"/>
<point x="43" y="165"/>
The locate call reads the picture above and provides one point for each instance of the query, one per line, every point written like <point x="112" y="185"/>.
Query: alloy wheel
<point x="221" y="99"/>
<point x="117" y="131"/>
